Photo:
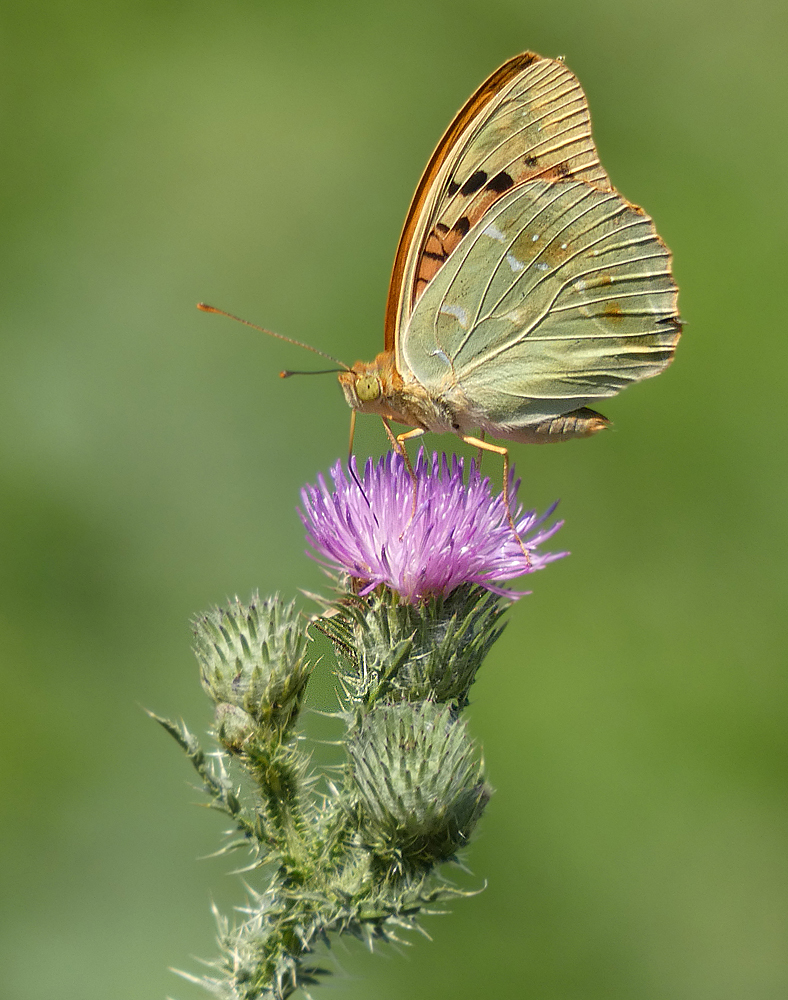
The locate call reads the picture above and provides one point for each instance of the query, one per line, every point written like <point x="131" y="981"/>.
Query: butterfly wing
<point x="530" y="119"/>
<point x="561" y="294"/>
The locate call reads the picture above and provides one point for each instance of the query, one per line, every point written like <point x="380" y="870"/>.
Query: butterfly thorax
<point x="378" y="387"/>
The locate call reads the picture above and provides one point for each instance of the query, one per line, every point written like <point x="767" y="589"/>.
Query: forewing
<point x="561" y="294"/>
<point x="529" y="120"/>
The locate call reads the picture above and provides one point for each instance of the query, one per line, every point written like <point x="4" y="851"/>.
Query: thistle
<point x="419" y="601"/>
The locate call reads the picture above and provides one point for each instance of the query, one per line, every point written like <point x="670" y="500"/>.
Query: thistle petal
<point x="459" y="533"/>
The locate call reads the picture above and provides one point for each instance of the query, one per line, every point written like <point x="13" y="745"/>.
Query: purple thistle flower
<point x="459" y="533"/>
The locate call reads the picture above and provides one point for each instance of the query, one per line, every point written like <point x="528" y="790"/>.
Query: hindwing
<point x="561" y="294"/>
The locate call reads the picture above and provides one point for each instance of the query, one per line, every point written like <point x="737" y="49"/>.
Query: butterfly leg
<point x="398" y="444"/>
<point x="483" y="446"/>
<point x="414" y="433"/>
<point x="480" y="452"/>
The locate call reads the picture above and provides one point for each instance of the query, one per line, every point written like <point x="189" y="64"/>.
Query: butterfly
<point x="524" y="286"/>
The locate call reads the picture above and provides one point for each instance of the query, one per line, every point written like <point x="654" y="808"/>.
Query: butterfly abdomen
<point x="576" y="424"/>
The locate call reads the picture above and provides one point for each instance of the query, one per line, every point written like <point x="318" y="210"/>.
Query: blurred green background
<point x="261" y="156"/>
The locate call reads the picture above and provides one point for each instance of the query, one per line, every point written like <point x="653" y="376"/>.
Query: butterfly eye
<point x="367" y="388"/>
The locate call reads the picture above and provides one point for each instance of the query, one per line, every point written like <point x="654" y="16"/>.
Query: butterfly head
<point x="370" y="385"/>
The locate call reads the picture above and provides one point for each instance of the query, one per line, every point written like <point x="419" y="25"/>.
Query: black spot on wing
<point x="453" y="188"/>
<point x="500" y="183"/>
<point x="529" y="160"/>
<point x="474" y="182"/>
<point x="462" y="225"/>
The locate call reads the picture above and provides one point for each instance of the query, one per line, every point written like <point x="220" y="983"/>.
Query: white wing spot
<point x="458" y="312"/>
<point x="495" y="233"/>
<point x="535" y="238"/>
<point x="515" y="264"/>
<point x="516" y="316"/>
<point x="580" y="285"/>
<point x="564" y="246"/>
<point x="542" y="265"/>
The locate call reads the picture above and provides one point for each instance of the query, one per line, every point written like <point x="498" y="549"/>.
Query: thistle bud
<point x="233" y="726"/>
<point x="415" y="652"/>
<point x="253" y="665"/>
<point x="419" y="786"/>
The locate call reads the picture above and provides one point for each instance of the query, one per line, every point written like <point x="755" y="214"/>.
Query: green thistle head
<point x="253" y="666"/>
<point x="419" y="785"/>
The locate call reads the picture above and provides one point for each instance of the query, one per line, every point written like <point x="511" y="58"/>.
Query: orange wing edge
<point x="503" y="75"/>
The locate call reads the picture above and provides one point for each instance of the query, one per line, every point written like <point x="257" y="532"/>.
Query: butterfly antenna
<point x="280" y="336"/>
